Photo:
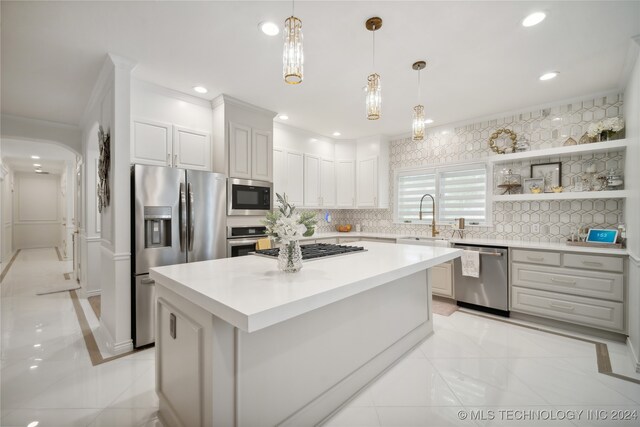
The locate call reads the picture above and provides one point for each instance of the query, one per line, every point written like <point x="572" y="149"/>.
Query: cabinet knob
<point x="175" y="160"/>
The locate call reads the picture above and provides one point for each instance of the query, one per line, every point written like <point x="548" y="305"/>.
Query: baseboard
<point x="334" y="399"/>
<point x="569" y="327"/>
<point x="113" y="347"/>
<point x="633" y="355"/>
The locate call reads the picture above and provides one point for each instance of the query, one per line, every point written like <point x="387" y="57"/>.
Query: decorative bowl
<point x="343" y="228"/>
<point x="535" y="189"/>
<point x="557" y="189"/>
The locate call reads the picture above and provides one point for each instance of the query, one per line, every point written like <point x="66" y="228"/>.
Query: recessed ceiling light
<point x="444" y="132"/>
<point x="283" y="117"/>
<point x="428" y="121"/>
<point x="555" y="119"/>
<point x="549" y="76"/>
<point x="35" y="157"/>
<point x="200" y="89"/>
<point x="269" y="28"/>
<point x="37" y="164"/>
<point x="337" y="133"/>
<point x="533" y="19"/>
<point x="313" y="139"/>
<point x="33" y="424"/>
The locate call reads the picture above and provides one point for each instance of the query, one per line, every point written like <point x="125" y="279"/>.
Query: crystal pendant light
<point x="417" y="129"/>
<point x="374" y="91"/>
<point x="292" y="56"/>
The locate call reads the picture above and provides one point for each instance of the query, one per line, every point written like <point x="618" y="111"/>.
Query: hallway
<point x="47" y="378"/>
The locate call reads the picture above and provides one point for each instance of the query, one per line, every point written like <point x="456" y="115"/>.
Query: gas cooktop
<point x="316" y="250"/>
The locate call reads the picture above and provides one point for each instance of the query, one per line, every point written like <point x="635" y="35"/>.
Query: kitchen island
<point x="239" y="343"/>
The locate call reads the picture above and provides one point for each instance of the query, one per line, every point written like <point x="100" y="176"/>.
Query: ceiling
<point x="17" y="154"/>
<point x="481" y="60"/>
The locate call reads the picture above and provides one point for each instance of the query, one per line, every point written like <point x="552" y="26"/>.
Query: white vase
<point x="290" y="257"/>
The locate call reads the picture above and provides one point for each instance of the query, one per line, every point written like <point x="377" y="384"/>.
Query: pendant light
<point x="417" y="130"/>
<point x="374" y="93"/>
<point x="292" y="56"/>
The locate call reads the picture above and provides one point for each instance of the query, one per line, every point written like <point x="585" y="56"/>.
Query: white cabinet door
<point x="180" y="363"/>
<point x="239" y="151"/>
<point x="261" y="155"/>
<point x="311" y="181"/>
<point x="191" y="149"/>
<point x="327" y="183"/>
<point x="295" y="178"/>
<point x="279" y="171"/>
<point x="151" y="143"/>
<point x="441" y="280"/>
<point x="345" y="183"/>
<point x="367" y="183"/>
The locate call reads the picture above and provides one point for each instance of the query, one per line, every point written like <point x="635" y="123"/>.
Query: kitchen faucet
<point x="434" y="233"/>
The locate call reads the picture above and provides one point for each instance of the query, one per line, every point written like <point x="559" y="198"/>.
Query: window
<point x="460" y="192"/>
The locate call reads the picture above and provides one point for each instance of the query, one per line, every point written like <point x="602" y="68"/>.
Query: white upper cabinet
<point x="312" y="181"/>
<point x="279" y="171"/>
<point x="327" y="183"/>
<point x="262" y="155"/>
<point x="295" y="178"/>
<point x="164" y="144"/>
<point x="250" y="153"/>
<point x="239" y="151"/>
<point x="191" y="149"/>
<point x="152" y="143"/>
<point x="345" y="183"/>
<point x="372" y="172"/>
<point x="368" y="183"/>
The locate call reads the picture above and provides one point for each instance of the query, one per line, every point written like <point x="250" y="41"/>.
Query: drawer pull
<point x="594" y="263"/>
<point x="562" y="306"/>
<point x="565" y="282"/>
<point x="535" y="258"/>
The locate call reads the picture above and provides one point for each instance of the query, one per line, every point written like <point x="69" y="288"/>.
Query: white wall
<point x="36" y="211"/>
<point x="40" y="130"/>
<point x="632" y="206"/>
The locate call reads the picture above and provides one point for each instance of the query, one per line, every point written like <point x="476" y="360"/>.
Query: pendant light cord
<point x="293" y="8"/>
<point x="374" y="48"/>
<point x="419" y="87"/>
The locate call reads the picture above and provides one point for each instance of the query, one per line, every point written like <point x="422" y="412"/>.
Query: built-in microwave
<point x="248" y="197"/>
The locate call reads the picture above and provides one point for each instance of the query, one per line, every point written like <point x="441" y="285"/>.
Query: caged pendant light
<point x="292" y="56"/>
<point x="374" y="91"/>
<point x="417" y="129"/>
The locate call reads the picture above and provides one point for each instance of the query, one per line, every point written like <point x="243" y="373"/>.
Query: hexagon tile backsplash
<point x="511" y="220"/>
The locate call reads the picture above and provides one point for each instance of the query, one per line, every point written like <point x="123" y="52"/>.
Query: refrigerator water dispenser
<point x="157" y="226"/>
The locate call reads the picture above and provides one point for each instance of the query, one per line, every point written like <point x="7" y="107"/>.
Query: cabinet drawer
<point x="441" y="280"/>
<point x="536" y="257"/>
<point x="578" y="282"/>
<point x="574" y="309"/>
<point x="592" y="262"/>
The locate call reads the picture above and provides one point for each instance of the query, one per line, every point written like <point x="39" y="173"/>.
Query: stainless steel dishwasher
<point x="490" y="291"/>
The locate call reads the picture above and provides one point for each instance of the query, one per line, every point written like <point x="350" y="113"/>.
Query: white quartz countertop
<point x="251" y="293"/>
<point x="555" y="246"/>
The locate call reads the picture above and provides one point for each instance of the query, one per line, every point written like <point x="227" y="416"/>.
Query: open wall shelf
<point x="571" y="150"/>
<point x="582" y="195"/>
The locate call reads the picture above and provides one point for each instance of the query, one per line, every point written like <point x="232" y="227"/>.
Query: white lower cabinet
<point x="592" y="312"/>
<point x="577" y="288"/>
<point x="442" y="280"/>
<point x="180" y="366"/>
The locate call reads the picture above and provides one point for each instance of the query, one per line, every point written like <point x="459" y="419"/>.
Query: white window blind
<point x="411" y="188"/>
<point x="463" y="193"/>
<point x="459" y="192"/>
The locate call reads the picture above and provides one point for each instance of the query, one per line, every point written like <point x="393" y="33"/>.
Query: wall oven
<point x="248" y="197"/>
<point x="242" y="240"/>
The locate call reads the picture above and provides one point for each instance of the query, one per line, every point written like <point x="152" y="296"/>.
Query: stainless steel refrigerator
<point x="177" y="216"/>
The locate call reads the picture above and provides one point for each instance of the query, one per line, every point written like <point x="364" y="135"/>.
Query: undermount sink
<point x="423" y="241"/>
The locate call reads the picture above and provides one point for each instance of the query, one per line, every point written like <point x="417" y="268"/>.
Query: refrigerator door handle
<point x="183" y="217"/>
<point x="191" y="216"/>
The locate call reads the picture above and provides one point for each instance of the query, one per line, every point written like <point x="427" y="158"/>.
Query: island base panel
<point x="300" y="371"/>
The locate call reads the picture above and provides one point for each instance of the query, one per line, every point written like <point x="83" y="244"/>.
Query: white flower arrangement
<point x="614" y="124"/>
<point x="285" y="225"/>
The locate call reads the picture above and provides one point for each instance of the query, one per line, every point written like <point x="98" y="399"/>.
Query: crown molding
<point x="40" y="122"/>
<point x="171" y="93"/>
<point x="226" y="99"/>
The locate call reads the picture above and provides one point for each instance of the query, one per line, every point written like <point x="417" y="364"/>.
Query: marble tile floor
<point x="473" y="371"/>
